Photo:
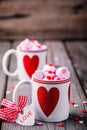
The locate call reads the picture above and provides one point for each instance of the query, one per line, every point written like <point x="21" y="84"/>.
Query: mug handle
<point x="5" y="62"/>
<point x="18" y="85"/>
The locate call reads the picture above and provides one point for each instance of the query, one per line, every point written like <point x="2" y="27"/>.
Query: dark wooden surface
<point x="70" y="54"/>
<point x="43" y="19"/>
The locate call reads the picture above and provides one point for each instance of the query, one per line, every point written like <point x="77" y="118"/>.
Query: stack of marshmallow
<point x="49" y="72"/>
<point x="30" y="45"/>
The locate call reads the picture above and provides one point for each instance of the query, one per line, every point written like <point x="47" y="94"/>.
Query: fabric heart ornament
<point x="30" y="64"/>
<point x="27" y="118"/>
<point x="48" y="99"/>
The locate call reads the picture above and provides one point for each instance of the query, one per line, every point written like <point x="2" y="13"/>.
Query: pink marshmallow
<point x="28" y="45"/>
<point x="49" y="73"/>
<point x="39" y="74"/>
<point x="49" y="68"/>
<point x="24" y="45"/>
<point x="63" y="73"/>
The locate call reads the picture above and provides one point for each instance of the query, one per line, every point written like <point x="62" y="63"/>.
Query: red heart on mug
<point x="48" y="99"/>
<point x="30" y="64"/>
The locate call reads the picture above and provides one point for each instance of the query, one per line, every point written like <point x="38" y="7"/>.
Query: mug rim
<point x="42" y="50"/>
<point x="51" y="82"/>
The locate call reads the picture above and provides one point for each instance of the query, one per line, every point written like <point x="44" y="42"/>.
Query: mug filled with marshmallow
<point x="31" y="55"/>
<point x="50" y="93"/>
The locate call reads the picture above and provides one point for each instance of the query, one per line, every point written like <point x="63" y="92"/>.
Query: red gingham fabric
<point x="10" y="110"/>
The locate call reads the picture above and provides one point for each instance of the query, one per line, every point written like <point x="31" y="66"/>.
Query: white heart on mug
<point x="27" y="118"/>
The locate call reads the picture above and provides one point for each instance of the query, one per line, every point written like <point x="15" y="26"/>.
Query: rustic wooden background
<point x="43" y="19"/>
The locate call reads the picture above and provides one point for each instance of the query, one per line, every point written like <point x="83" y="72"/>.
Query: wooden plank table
<point x="70" y="54"/>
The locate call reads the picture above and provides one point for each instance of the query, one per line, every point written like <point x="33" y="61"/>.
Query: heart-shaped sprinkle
<point x="57" y="78"/>
<point x="50" y="64"/>
<point x="72" y="103"/>
<point x="12" y="87"/>
<point x="84" y="111"/>
<point x="60" y="125"/>
<point x="49" y="77"/>
<point x="76" y="118"/>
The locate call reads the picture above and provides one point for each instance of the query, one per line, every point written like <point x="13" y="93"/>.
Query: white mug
<point x="27" y="62"/>
<point x="50" y="99"/>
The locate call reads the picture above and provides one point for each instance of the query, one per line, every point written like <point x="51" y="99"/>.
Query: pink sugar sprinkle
<point x="84" y="102"/>
<point x="32" y="41"/>
<point x="56" y="64"/>
<point x="50" y="64"/>
<point x="63" y="71"/>
<point x="39" y="123"/>
<point x="39" y="46"/>
<point x="81" y="116"/>
<point x="70" y="61"/>
<point x="12" y="87"/>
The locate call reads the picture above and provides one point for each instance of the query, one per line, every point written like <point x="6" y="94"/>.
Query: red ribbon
<point x="10" y="111"/>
